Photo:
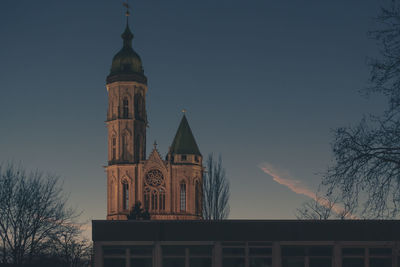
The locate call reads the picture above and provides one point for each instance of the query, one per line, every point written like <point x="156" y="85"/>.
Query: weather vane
<point x="125" y="4"/>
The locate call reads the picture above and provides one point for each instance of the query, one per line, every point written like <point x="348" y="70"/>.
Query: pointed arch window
<point x="125" y="108"/>
<point x="125" y="146"/>
<point x="198" y="197"/>
<point x="114" y="148"/>
<point x="112" y="202"/>
<point x="125" y="195"/>
<point x="162" y="199"/>
<point x="147" y="198"/>
<point x="183" y="196"/>
<point x="154" y="200"/>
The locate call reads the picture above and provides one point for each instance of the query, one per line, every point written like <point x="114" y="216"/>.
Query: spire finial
<point x="184" y="111"/>
<point x="155" y="144"/>
<point x="127" y="13"/>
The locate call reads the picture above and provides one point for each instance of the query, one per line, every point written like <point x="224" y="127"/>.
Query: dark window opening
<point x="125" y="195"/>
<point x="125" y="108"/>
<point x="183" y="196"/>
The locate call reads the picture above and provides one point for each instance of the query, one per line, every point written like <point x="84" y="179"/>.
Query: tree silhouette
<point x="35" y="222"/>
<point x="366" y="165"/>
<point x="215" y="190"/>
<point x="137" y="213"/>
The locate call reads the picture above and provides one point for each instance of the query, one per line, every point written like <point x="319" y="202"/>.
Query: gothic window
<point x="183" y="157"/>
<point x="154" y="199"/>
<point x="125" y="147"/>
<point x="138" y="106"/>
<point x="147" y="199"/>
<point x="196" y="158"/>
<point x="125" y="195"/>
<point x="154" y="178"/>
<point x="197" y="200"/>
<point x="112" y="206"/>
<point x="183" y="196"/>
<point x="114" y="148"/>
<point x="162" y="199"/>
<point x="137" y="148"/>
<point x="125" y="108"/>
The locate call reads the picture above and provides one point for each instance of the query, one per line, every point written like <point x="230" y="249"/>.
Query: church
<point x="170" y="188"/>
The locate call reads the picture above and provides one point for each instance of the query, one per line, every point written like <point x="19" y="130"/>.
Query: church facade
<point x="169" y="188"/>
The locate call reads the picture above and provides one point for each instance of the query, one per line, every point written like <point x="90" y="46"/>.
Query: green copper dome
<point x="126" y="64"/>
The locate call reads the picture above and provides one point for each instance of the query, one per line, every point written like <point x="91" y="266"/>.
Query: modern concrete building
<point x="247" y="243"/>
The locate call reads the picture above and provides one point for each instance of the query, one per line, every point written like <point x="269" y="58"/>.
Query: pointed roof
<point x="184" y="142"/>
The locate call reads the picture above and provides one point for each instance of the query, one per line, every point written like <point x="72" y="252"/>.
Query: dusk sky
<point x="263" y="83"/>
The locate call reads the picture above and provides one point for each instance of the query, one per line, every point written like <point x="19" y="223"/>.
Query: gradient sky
<point x="263" y="82"/>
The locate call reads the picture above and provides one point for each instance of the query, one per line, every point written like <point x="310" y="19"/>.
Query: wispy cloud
<point x="284" y="178"/>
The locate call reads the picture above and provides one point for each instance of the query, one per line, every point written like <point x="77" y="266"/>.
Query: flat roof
<point x="247" y="230"/>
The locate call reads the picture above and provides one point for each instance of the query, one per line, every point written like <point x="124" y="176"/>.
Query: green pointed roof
<point x="184" y="142"/>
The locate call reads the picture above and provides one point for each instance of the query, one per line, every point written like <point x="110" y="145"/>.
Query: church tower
<point x="126" y="124"/>
<point x="168" y="189"/>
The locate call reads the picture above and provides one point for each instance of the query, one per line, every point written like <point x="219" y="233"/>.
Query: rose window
<point x="154" y="178"/>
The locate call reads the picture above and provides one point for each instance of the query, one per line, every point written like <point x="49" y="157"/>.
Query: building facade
<point x="168" y="188"/>
<point x="247" y="243"/>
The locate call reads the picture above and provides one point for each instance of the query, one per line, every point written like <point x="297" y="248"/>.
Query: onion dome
<point x="126" y="64"/>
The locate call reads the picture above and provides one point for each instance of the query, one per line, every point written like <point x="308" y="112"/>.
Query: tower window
<point x="114" y="149"/>
<point x="196" y="158"/>
<point x="125" y="147"/>
<point x="183" y="196"/>
<point x="125" y="108"/>
<point x="183" y="157"/>
<point x="198" y="198"/>
<point x="125" y="195"/>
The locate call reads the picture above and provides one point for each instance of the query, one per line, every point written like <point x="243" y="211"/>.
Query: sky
<point x="263" y="82"/>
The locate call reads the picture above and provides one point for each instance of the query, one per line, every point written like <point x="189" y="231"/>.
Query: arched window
<point x="183" y="196"/>
<point x="125" y="195"/>
<point x="154" y="200"/>
<point x="125" y="108"/>
<point x="125" y="146"/>
<point x="139" y="106"/>
<point x="162" y="199"/>
<point x="197" y="199"/>
<point x="114" y="148"/>
<point x="138" y="144"/>
<point x="147" y="198"/>
<point x="112" y="205"/>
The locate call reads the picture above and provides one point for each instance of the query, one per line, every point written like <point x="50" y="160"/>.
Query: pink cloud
<point x="284" y="178"/>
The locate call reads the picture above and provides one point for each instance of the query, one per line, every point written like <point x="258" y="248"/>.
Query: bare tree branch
<point x="215" y="190"/>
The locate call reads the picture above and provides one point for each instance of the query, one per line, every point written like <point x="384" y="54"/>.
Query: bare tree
<point x="324" y="208"/>
<point x="33" y="213"/>
<point x="70" y="249"/>
<point x="215" y="190"/>
<point x="367" y="157"/>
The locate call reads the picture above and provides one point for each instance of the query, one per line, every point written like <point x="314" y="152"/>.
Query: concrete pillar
<point x="217" y="254"/>
<point x="337" y="255"/>
<point x="98" y="255"/>
<point x="276" y="255"/>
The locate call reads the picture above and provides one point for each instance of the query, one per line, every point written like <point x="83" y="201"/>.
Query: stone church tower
<point x="168" y="189"/>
